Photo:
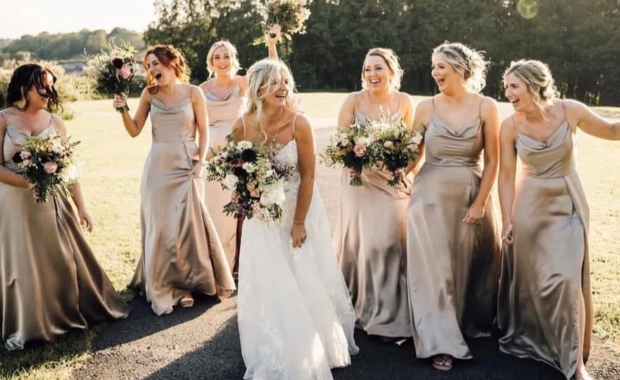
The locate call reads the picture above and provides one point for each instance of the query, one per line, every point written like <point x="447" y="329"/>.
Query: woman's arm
<point x="271" y="49"/>
<point x="506" y="178"/>
<point x="579" y="114"/>
<point x="420" y="121"/>
<point x="491" y="122"/>
<point x="8" y="176"/>
<point x="199" y="104"/>
<point x="134" y="126"/>
<point x="346" y="116"/>
<point x="307" y="162"/>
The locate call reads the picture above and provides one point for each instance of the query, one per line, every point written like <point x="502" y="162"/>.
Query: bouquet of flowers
<point x="289" y="14"/>
<point x="256" y="180"/>
<point x="352" y="147"/>
<point x="394" y="146"/>
<point x="114" y="71"/>
<point x="48" y="164"/>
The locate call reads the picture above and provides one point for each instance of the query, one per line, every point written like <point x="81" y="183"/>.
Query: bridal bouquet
<point x="394" y="146"/>
<point x="256" y="180"/>
<point x="289" y="14"/>
<point x="48" y="164"/>
<point x="351" y="147"/>
<point x="114" y="71"/>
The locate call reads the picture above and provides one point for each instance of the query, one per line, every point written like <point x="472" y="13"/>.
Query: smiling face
<point x="40" y="97"/>
<point x="517" y="93"/>
<point x="161" y="73"/>
<point x="221" y="61"/>
<point x="275" y="93"/>
<point x="444" y="74"/>
<point x="377" y="74"/>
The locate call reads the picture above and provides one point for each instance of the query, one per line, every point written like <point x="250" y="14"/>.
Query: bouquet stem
<point x="356" y="181"/>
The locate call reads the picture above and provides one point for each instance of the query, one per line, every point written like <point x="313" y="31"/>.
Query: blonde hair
<point x="391" y="60"/>
<point x="467" y="61"/>
<point x="234" y="60"/>
<point x="537" y="78"/>
<point x="266" y="75"/>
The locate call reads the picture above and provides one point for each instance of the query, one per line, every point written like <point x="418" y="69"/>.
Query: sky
<point x="20" y="17"/>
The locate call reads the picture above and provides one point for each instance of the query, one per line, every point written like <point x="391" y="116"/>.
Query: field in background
<point x="111" y="181"/>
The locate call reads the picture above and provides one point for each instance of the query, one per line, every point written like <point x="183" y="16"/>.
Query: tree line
<point x="578" y="39"/>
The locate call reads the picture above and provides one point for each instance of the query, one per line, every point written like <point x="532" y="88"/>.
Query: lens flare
<point x="528" y="9"/>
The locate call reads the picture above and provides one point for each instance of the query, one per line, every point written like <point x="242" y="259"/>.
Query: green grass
<point x="111" y="183"/>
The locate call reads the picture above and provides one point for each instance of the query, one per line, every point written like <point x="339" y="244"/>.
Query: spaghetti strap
<point x="245" y="137"/>
<point x="480" y="109"/>
<point x="294" y="120"/>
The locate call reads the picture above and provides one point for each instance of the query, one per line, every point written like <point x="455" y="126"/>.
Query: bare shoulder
<point x="204" y="86"/>
<point x="146" y="95"/>
<point x="301" y="121"/>
<point x="508" y="127"/>
<point x="58" y="124"/>
<point x="195" y="92"/>
<point x="424" y="106"/>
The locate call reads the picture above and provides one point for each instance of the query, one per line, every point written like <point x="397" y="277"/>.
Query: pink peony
<point x="124" y="72"/>
<point x="359" y="149"/>
<point x="50" y="167"/>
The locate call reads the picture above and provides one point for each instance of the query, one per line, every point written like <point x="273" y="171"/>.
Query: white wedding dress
<point x="295" y="315"/>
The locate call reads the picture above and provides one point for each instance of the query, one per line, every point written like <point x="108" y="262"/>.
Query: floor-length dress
<point x="452" y="266"/>
<point x="295" y="316"/>
<point x="50" y="281"/>
<point x="181" y="251"/>
<point x="545" y="300"/>
<point x="370" y="241"/>
<point x="222" y="113"/>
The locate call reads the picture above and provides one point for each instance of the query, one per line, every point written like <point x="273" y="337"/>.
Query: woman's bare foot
<point x="442" y="362"/>
<point x="187" y="300"/>
<point x="582" y="373"/>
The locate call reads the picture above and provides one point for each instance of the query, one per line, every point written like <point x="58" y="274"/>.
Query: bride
<point x="295" y="316"/>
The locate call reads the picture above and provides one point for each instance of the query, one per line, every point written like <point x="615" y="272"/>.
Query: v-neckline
<point x="546" y="142"/>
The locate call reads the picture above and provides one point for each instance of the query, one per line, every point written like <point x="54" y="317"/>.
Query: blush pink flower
<point x="359" y="149"/>
<point x="124" y="72"/>
<point x="50" y="167"/>
<point x="255" y="193"/>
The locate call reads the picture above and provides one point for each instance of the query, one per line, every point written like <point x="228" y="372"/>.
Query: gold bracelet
<point x="298" y="222"/>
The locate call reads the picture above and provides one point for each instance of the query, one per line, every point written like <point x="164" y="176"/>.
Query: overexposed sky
<point x="20" y="17"/>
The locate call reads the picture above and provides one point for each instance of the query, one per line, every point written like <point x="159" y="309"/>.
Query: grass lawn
<point x="111" y="181"/>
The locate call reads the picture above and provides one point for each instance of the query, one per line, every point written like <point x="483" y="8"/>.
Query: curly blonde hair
<point x="467" y="61"/>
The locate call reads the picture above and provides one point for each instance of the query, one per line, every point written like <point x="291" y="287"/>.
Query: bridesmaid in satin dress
<point x="545" y="303"/>
<point x="453" y="242"/>
<point x="50" y="280"/>
<point x="370" y="234"/>
<point x="181" y="252"/>
<point x="224" y="92"/>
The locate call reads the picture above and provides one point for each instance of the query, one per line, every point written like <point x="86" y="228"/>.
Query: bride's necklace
<point x="278" y="127"/>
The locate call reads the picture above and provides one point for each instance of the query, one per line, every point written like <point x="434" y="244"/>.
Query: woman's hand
<point x="352" y="173"/>
<point x="198" y="171"/>
<point x="274" y="35"/>
<point x="298" y="234"/>
<point x="120" y="101"/>
<point x="474" y="214"/>
<point x="85" y="219"/>
<point x="507" y="233"/>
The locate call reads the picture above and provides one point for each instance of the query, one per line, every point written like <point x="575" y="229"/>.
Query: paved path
<point x="203" y="342"/>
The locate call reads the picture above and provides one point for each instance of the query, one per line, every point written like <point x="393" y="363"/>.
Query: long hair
<point x="27" y="76"/>
<point x="169" y="56"/>
<point x="266" y="75"/>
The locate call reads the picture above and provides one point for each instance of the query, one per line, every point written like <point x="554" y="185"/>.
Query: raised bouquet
<point x="291" y="15"/>
<point x="48" y="164"/>
<point x="256" y="180"/>
<point x="394" y="146"/>
<point x="113" y="71"/>
<point x="351" y="147"/>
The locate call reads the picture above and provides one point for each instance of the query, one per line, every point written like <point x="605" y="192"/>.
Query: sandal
<point x="168" y="310"/>
<point x="442" y="362"/>
<point x="187" y="301"/>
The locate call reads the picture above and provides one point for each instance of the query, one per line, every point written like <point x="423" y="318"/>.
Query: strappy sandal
<point x="442" y="362"/>
<point x="187" y="301"/>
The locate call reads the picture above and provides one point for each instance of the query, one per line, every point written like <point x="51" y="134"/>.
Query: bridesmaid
<point x="181" y="252"/>
<point x="452" y="235"/>
<point x="545" y="303"/>
<point x="370" y="236"/>
<point x="224" y="92"/>
<point x="50" y="280"/>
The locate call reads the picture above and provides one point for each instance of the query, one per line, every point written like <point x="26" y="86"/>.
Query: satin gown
<point x="370" y="244"/>
<point x="181" y="251"/>
<point x="295" y="316"/>
<point x="50" y="281"/>
<point x="545" y="299"/>
<point x="452" y="266"/>
<point x="222" y="113"/>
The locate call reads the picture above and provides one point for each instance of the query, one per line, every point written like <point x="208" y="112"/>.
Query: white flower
<point x="249" y="167"/>
<point x="230" y="181"/>
<point x="70" y="174"/>
<point x="416" y="139"/>
<point x="273" y="195"/>
<point x="244" y="144"/>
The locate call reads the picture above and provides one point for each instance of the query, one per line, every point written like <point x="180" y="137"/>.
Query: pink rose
<point x="359" y="149"/>
<point x="388" y="145"/>
<point x="255" y="193"/>
<point x="27" y="162"/>
<point x="50" y="167"/>
<point x="125" y="72"/>
<point x="251" y="186"/>
<point x="25" y="155"/>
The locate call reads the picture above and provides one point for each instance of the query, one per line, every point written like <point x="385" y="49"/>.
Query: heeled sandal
<point x="187" y="300"/>
<point x="442" y="362"/>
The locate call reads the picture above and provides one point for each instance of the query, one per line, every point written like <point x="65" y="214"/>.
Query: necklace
<point x="278" y="127"/>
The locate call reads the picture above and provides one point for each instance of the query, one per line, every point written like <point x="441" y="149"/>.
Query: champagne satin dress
<point x="370" y="244"/>
<point x="180" y="249"/>
<point x="50" y="281"/>
<point x="545" y="301"/>
<point x="222" y="113"/>
<point x="452" y="266"/>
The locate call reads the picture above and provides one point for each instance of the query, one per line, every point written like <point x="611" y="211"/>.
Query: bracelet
<point x="298" y="222"/>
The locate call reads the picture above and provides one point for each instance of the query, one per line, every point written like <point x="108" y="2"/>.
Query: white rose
<point x="273" y="194"/>
<point x="230" y="181"/>
<point x="244" y="144"/>
<point x="416" y="138"/>
<point x="249" y="167"/>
